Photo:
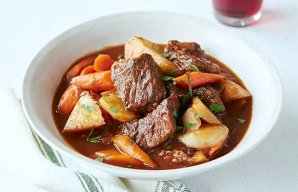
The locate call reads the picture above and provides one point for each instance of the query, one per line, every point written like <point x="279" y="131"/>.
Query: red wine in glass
<point x="238" y="12"/>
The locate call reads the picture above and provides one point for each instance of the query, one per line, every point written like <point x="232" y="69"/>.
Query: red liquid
<point x="237" y="8"/>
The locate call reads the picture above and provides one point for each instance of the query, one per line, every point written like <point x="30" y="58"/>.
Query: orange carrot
<point x="98" y="81"/>
<point x="114" y="156"/>
<point x="103" y="62"/>
<point x="87" y="70"/>
<point x="77" y="68"/>
<point x="69" y="98"/>
<point x="197" y="79"/>
<point x="129" y="147"/>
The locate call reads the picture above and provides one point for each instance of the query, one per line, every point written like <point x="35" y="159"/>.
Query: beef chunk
<point x="155" y="127"/>
<point x="186" y="55"/>
<point x="208" y="95"/>
<point x="138" y="82"/>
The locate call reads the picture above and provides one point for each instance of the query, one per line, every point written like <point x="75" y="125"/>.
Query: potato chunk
<point x="233" y="91"/>
<point x="191" y="119"/>
<point x="198" y="107"/>
<point x="205" y="137"/>
<point x="112" y="104"/>
<point x="85" y="115"/>
<point x="136" y="46"/>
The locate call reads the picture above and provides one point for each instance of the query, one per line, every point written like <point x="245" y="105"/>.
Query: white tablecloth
<point x="273" y="166"/>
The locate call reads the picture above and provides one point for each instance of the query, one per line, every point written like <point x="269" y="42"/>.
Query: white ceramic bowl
<point x="250" y="64"/>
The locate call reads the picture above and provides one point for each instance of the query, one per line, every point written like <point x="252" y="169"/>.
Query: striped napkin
<point x="34" y="173"/>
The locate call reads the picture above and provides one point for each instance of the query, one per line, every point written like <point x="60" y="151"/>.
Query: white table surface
<point x="273" y="166"/>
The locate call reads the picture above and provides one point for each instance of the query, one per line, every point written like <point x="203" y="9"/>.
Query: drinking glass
<point x="238" y="13"/>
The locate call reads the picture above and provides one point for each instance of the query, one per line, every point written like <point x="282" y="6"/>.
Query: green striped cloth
<point x="91" y="183"/>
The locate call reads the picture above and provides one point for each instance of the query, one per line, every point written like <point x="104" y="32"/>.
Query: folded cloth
<point x="23" y="168"/>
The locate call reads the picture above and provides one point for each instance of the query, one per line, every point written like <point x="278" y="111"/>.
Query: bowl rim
<point x="153" y="174"/>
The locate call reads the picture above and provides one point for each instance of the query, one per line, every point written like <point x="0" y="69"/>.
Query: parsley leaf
<point x="185" y="99"/>
<point x="197" y="116"/>
<point x="216" y="108"/>
<point x="175" y="113"/>
<point x="99" y="159"/>
<point x="241" y="121"/>
<point x="94" y="140"/>
<point x="195" y="67"/>
<point x="114" y="109"/>
<point x="165" y="55"/>
<point x="88" y="108"/>
<point x="189" y="84"/>
<point x="173" y="73"/>
<point x="189" y="125"/>
<point x="120" y="57"/>
<point x="166" y="78"/>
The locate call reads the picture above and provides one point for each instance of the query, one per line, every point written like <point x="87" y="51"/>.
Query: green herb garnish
<point x="185" y="99"/>
<point x="173" y="73"/>
<point x="166" y="78"/>
<point x="216" y="108"/>
<point x="195" y="67"/>
<point x="120" y="57"/>
<point x="189" y="85"/>
<point x="114" y="109"/>
<point x="197" y="116"/>
<point x="99" y="159"/>
<point x="94" y="140"/>
<point x="189" y="125"/>
<point x="88" y="108"/>
<point x="175" y="113"/>
<point x="180" y="128"/>
<point x="241" y="121"/>
<point x="165" y="55"/>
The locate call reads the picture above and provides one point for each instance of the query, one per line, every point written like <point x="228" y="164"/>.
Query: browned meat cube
<point x="138" y="82"/>
<point x="155" y="127"/>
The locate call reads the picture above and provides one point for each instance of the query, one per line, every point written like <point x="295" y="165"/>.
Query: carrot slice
<point x="103" y="62"/>
<point x="77" y="68"/>
<point x="114" y="156"/>
<point x="69" y="98"/>
<point x="197" y="79"/>
<point x="87" y="70"/>
<point x="129" y="147"/>
<point x="98" y="81"/>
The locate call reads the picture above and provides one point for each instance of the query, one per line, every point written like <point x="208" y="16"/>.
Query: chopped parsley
<point x="189" y="125"/>
<point x="173" y="73"/>
<point x="99" y="159"/>
<point x="175" y="113"/>
<point x="167" y="78"/>
<point x="165" y="55"/>
<point x="88" y="108"/>
<point x="180" y="128"/>
<point x="185" y="99"/>
<point x="216" y="108"/>
<point x="195" y="67"/>
<point x="93" y="140"/>
<point x="196" y="115"/>
<point x="189" y="84"/>
<point x="241" y="121"/>
<point x="120" y="57"/>
<point x="114" y="109"/>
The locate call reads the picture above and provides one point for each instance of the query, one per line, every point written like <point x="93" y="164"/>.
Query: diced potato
<point x="205" y="137"/>
<point x="204" y="113"/>
<point x="233" y="91"/>
<point x="112" y="104"/>
<point x="199" y="157"/>
<point x="114" y="156"/>
<point x="191" y="119"/>
<point x="85" y="115"/>
<point x="138" y="45"/>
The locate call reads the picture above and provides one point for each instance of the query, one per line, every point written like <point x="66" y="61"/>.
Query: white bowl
<point x="249" y="63"/>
